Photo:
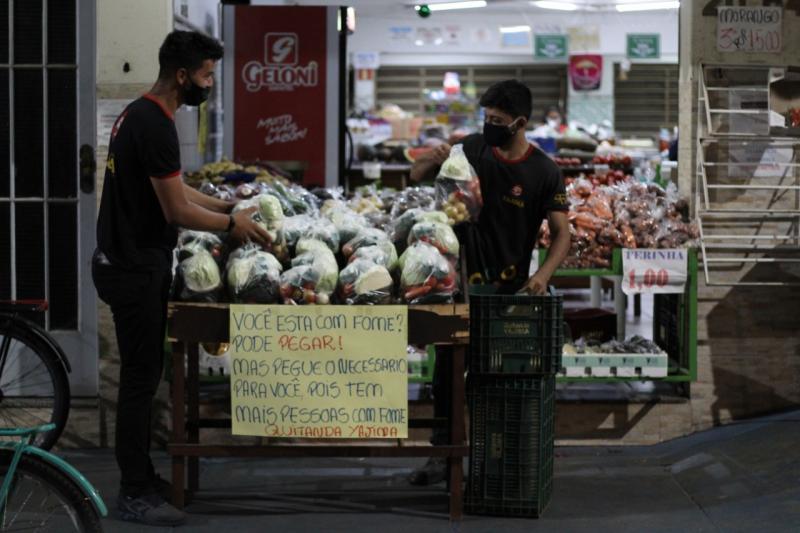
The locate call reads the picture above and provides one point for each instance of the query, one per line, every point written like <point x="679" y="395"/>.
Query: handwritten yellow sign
<point x="321" y="371"/>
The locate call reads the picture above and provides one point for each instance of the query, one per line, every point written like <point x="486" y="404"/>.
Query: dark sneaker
<point x="432" y="472"/>
<point x="150" y="509"/>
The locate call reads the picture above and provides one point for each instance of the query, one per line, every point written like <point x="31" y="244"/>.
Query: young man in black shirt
<point x="144" y="200"/>
<point x="521" y="186"/>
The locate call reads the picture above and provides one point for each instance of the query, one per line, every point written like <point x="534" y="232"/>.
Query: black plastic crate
<point x="514" y="334"/>
<point x="511" y="445"/>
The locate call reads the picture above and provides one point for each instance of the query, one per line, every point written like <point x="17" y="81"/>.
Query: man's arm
<point x="427" y="165"/>
<point x="206" y="201"/>
<point x="181" y="212"/>
<point x="559" y="231"/>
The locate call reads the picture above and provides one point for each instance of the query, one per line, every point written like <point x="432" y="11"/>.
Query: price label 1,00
<point x="654" y="271"/>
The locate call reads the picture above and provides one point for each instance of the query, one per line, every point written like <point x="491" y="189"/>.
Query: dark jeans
<point x="138" y="301"/>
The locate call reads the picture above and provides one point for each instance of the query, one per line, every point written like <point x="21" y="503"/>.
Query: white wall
<point x="130" y="32"/>
<point x="374" y="33"/>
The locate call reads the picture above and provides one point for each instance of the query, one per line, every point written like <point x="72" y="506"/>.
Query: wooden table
<point x="192" y="324"/>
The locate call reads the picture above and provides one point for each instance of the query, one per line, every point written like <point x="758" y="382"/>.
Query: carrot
<point x="416" y="292"/>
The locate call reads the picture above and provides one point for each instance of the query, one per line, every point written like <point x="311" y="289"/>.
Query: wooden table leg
<point x="193" y="413"/>
<point x="457" y="430"/>
<point x="178" y="423"/>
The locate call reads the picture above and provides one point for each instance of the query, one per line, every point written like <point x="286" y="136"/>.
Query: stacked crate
<point x="515" y="353"/>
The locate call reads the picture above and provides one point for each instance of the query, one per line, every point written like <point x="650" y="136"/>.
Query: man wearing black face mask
<point x="144" y="200"/>
<point x="521" y="186"/>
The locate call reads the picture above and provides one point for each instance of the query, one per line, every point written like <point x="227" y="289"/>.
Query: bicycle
<point x="42" y="492"/>
<point x="34" y="387"/>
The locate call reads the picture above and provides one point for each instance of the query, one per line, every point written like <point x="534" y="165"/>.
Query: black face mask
<point x="195" y="95"/>
<point x="497" y="136"/>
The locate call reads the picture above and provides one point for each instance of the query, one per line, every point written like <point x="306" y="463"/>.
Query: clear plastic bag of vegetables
<point x="191" y="242"/>
<point x="322" y="230"/>
<point x="313" y="276"/>
<point x="383" y="254"/>
<point x="294" y="227"/>
<point x="364" y="282"/>
<point x="458" y="189"/>
<point x="253" y="276"/>
<point x="198" y="278"/>
<point x="427" y="275"/>
<point x="347" y="222"/>
<point x="366" y="237"/>
<point x="269" y="215"/>
<point x="436" y="234"/>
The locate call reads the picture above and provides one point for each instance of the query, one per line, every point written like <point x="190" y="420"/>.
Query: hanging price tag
<point x="654" y="271"/>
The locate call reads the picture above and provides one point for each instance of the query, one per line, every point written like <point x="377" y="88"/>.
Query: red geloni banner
<point x="586" y="71"/>
<point x="279" y="89"/>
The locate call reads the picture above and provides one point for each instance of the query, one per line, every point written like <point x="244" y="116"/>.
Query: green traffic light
<point x="424" y="11"/>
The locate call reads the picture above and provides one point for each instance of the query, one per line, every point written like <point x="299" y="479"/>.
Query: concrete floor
<point x="742" y="477"/>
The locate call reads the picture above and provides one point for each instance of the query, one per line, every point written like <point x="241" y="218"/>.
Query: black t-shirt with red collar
<point x="517" y="195"/>
<point x="131" y="229"/>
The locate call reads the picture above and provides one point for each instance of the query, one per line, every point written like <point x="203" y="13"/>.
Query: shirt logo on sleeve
<point x="560" y="199"/>
<point x="118" y="124"/>
<point x="516" y="190"/>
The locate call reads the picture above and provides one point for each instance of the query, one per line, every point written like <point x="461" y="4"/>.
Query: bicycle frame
<point x="24" y="446"/>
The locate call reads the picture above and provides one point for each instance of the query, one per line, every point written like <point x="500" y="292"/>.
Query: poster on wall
<point x="585" y="71"/>
<point x="644" y="46"/>
<point x="550" y="47"/>
<point x="280" y="109"/>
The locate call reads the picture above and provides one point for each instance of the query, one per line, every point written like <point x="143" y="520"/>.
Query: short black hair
<point x="186" y="49"/>
<point x="509" y="96"/>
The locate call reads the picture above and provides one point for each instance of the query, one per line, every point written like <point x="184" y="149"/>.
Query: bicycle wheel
<point x="34" y="388"/>
<point x="42" y="498"/>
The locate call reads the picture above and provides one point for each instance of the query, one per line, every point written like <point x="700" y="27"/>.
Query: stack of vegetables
<point x="327" y="248"/>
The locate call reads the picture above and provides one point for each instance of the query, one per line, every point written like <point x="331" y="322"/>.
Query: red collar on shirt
<point x="158" y="102"/>
<point x="524" y="156"/>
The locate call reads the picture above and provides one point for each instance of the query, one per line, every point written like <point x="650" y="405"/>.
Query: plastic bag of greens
<point x="383" y="254"/>
<point x="427" y="276"/>
<point x="190" y="242"/>
<point x="310" y="283"/>
<point x="347" y="222"/>
<point x="437" y="234"/>
<point x="253" y="276"/>
<point x="367" y="237"/>
<point x="294" y="227"/>
<point x="364" y="282"/>
<point x="413" y="197"/>
<point x="323" y="231"/>
<point x="198" y="278"/>
<point x="458" y="189"/>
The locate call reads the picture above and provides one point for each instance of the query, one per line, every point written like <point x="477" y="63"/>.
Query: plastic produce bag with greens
<point x="323" y="231"/>
<point x="367" y="237"/>
<point x="198" y="278"/>
<point x="383" y="254"/>
<point x="313" y="276"/>
<point x="436" y="234"/>
<point x="347" y="222"/>
<point x="427" y="276"/>
<point x="253" y="276"/>
<point x="191" y="242"/>
<point x="364" y="282"/>
<point x="458" y="189"/>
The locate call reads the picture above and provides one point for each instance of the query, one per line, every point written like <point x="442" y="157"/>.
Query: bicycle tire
<point x="25" y="332"/>
<point x="59" y="483"/>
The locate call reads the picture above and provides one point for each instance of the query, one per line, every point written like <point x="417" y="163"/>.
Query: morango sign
<point x="279" y="111"/>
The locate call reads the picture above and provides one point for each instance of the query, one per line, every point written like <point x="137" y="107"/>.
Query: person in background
<point x="521" y="186"/>
<point x="143" y="203"/>
<point x="553" y="124"/>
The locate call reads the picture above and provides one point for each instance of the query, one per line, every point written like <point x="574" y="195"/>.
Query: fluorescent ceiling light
<point x="444" y="6"/>
<point x="514" y="29"/>
<point x="648" y="6"/>
<point x="550" y="4"/>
